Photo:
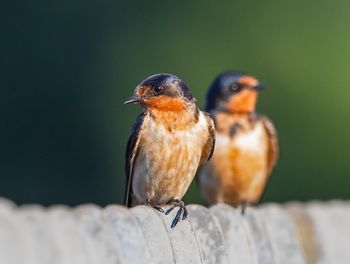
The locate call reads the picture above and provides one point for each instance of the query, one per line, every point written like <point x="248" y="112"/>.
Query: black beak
<point x="132" y="100"/>
<point x="259" y="87"/>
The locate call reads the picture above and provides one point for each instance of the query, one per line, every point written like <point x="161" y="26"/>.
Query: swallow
<point x="246" y="143"/>
<point x="169" y="140"/>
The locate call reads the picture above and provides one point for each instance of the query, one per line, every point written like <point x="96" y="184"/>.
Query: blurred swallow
<point x="246" y="143"/>
<point x="169" y="140"/>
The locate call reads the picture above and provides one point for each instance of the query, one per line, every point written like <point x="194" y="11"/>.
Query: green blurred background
<point x="67" y="66"/>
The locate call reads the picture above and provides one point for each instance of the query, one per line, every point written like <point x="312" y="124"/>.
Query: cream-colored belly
<point x="238" y="170"/>
<point x="167" y="162"/>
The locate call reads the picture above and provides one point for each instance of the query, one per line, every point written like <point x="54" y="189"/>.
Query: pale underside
<point x="238" y="170"/>
<point x="167" y="161"/>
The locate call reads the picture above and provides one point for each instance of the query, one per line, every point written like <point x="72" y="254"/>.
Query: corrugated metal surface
<point x="272" y="234"/>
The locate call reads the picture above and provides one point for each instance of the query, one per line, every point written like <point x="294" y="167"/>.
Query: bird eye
<point x="158" y="89"/>
<point x="234" y="87"/>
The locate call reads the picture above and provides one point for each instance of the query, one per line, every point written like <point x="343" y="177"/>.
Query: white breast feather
<point x="252" y="140"/>
<point x="192" y="139"/>
<point x="194" y="135"/>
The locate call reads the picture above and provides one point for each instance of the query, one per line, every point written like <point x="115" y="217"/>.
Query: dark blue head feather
<point x="219" y="89"/>
<point x="166" y="80"/>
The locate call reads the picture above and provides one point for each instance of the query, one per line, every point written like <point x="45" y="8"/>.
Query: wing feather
<point x="208" y="148"/>
<point x="273" y="148"/>
<point x="130" y="155"/>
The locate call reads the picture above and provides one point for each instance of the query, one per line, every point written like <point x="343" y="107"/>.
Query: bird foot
<point x="182" y="211"/>
<point x="154" y="206"/>
<point x="243" y="208"/>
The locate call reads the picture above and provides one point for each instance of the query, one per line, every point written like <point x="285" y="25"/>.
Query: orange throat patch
<point x="243" y="102"/>
<point x="172" y="113"/>
<point x="165" y="103"/>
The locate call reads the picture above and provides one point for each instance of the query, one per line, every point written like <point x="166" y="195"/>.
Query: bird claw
<point x="176" y="218"/>
<point x="184" y="216"/>
<point x="157" y="207"/>
<point x="243" y="208"/>
<point x="182" y="210"/>
<point x="170" y="209"/>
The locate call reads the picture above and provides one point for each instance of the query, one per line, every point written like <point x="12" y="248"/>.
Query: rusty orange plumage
<point x="246" y="143"/>
<point x="170" y="139"/>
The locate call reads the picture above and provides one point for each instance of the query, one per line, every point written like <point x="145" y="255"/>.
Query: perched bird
<point x="246" y="143"/>
<point x="169" y="140"/>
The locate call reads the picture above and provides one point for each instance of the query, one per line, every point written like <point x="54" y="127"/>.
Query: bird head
<point x="234" y="92"/>
<point x="163" y="92"/>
